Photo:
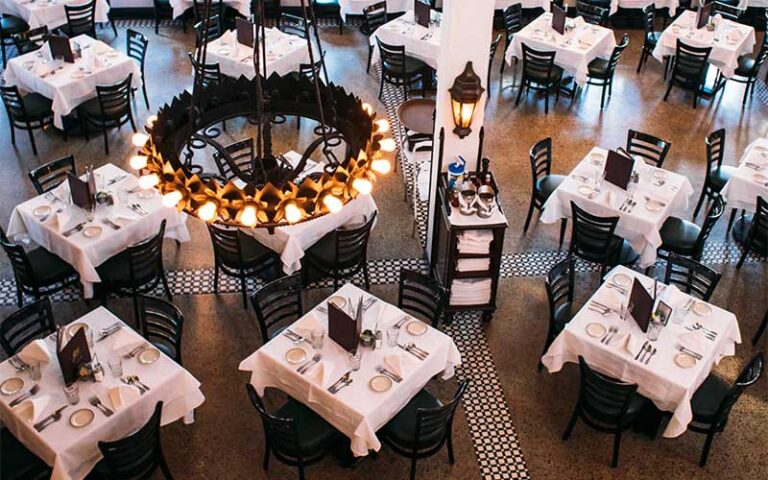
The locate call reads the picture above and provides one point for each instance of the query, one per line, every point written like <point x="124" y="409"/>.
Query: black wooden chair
<point x="714" y="399"/>
<point x="278" y="304"/>
<point x="540" y="74"/>
<point x="162" y="324"/>
<point x="294" y="25"/>
<point x="294" y="434"/>
<point x="422" y="427"/>
<point x="544" y="182"/>
<point x="513" y="23"/>
<point x="81" y="19"/>
<point x="491" y="55"/>
<point x="340" y="254"/>
<point x="727" y="11"/>
<point x="606" y="405"/>
<point x="239" y="255"/>
<point x="164" y="9"/>
<point x="560" y="288"/>
<point x="242" y="164"/>
<point x="10" y="25"/>
<point x="207" y="30"/>
<point x="400" y="70"/>
<point x="653" y="150"/>
<point x="138" y="455"/>
<point x="110" y="20"/>
<point x="761" y="329"/>
<point x="421" y="296"/>
<point x="30" y="112"/>
<point x="749" y="68"/>
<point x="49" y="176"/>
<point x="593" y="239"/>
<point x="38" y="272"/>
<point x="136" y="48"/>
<point x="717" y="174"/>
<point x="600" y="71"/>
<point x="757" y="238"/>
<point x="685" y="238"/>
<point x="33" y="321"/>
<point x="136" y="270"/>
<point x="689" y="69"/>
<point x="593" y="14"/>
<point x="691" y="276"/>
<point x="31" y="40"/>
<point x="18" y="462"/>
<point x="374" y="16"/>
<point x="329" y="9"/>
<point x="110" y="109"/>
<point x="207" y="73"/>
<point x="651" y="37"/>
<point x="217" y="11"/>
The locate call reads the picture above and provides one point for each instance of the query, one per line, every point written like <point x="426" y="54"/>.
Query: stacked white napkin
<point x="35" y="351"/>
<point x="394" y="363"/>
<point x="473" y="264"/>
<point x="31" y="410"/>
<point x="475" y="241"/>
<point x="68" y="218"/>
<point x="321" y="373"/>
<point x="123" y="395"/>
<point x="471" y="292"/>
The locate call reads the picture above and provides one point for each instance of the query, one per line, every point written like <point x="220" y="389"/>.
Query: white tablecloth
<point x="292" y="241"/>
<point x="575" y="49"/>
<point x="65" y="91"/>
<point x="43" y="12"/>
<point x="85" y="254"/>
<point x="242" y="6"/>
<point x="284" y="54"/>
<point x="543" y="4"/>
<point x="640" y="227"/>
<point x="356" y="7"/>
<point x="669" y="386"/>
<point x="74" y="452"/>
<point x="419" y="42"/>
<point x="747" y="183"/>
<point x="724" y="56"/>
<point x="356" y="410"/>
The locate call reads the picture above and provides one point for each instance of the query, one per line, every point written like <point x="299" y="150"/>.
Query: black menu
<point x="244" y="32"/>
<point x="702" y="16"/>
<point x="72" y="355"/>
<point x="421" y="13"/>
<point x="80" y="191"/>
<point x="618" y="169"/>
<point x="642" y="305"/>
<point x="558" y="19"/>
<point x="344" y="329"/>
<point x="60" y="48"/>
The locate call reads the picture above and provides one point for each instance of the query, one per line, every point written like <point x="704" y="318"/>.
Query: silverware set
<point x="600" y="308"/>
<point x="616" y="287"/>
<point x="709" y="334"/>
<point x="304" y="367"/>
<point x="690" y="352"/>
<point x="647" y="351"/>
<point x="32" y="391"/>
<point x="19" y="364"/>
<point x="135" y="351"/>
<point x="340" y="383"/>
<point x="102" y="408"/>
<point x="110" y="330"/>
<point x="612" y="331"/>
<point x="118" y="178"/>
<point x="649" y="199"/>
<point x="138" y="209"/>
<point x="45" y="217"/>
<point x="628" y="204"/>
<point x="414" y="350"/>
<point x="77" y="228"/>
<point x="384" y="371"/>
<point x="110" y="223"/>
<point x="402" y="321"/>
<point x="753" y="166"/>
<point x="580" y="178"/>
<point x="136" y="382"/>
<point x="688" y="305"/>
<point x="368" y="303"/>
<point x="51" y="197"/>
<point x="293" y="336"/>
<point x="52" y="418"/>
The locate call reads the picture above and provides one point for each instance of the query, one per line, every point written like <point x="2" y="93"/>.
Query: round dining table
<point x="418" y="115"/>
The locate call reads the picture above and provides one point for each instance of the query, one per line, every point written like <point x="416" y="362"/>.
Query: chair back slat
<point x="436" y="423"/>
<point x="691" y="277"/>
<point x="537" y="64"/>
<point x="513" y="20"/>
<point x="136" y="47"/>
<point x="541" y="159"/>
<point x="281" y="433"/>
<point x="749" y="375"/>
<point x="14" y="104"/>
<point x="138" y="454"/>
<point x="146" y="258"/>
<point x="591" y="235"/>
<point x="31" y="322"/>
<point x="31" y="40"/>
<point x="206" y="73"/>
<point x="649" y="19"/>
<point x="81" y="18"/>
<point x="758" y="233"/>
<point x="161" y="322"/>
<point x="115" y="99"/>
<point x="242" y="161"/>
<point x="374" y="16"/>
<point x="208" y="30"/>
<point x="618" y="50"/>
<point x="22" y="268"/>
<point x="652" y="150"/>
<point x="49" y="176"/>
<point x="592" y="14"/>
<point x="559" y="284"/>
<point x="392" y="58"/>
<point x="352" y="244"/>
<point x="715" y="212"/>
<point x="421" y="296"/>
<point x="294" y="25"/>
<point x="715" y="143"/>
<point x="690" y="64"/>
<point x="278" y="304"/>
<point x="601" y="398"/>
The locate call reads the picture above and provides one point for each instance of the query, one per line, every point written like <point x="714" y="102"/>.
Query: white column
<point x="465" y="36"/>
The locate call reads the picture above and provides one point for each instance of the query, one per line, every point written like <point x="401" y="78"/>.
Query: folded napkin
<point x="31" y="410"/>
<point x="228" y="37"/>
<point x="125" y="341"/>
<point x="610" y="197"/>
<point x="320" y="374"/>
<point x="68" y="218"/>
<point x="123" y="395"/>
<point x="36" y="351"/>
<point x="631" y="343"/>
<point x="473" y="264"/>
<point x="307" y="325"/>
<point x="394" y="362"/>
<point x="123" y="219"/>
<point x="693" y="341"/>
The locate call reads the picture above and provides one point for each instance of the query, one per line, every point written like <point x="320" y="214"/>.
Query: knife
<point x="54" y="417"/>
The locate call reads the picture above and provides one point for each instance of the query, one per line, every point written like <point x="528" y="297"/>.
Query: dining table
<point x="657" y="195"/>
<point x="243" y="7"/>
<point x="580" y="44"/>
<point x="53" y="222"/>
<point x="360" y="408"/>
<point x="748" y="182"/>
<point x="422" y="43"/>
<point x="50" y="13"/>
<point x="70" y="84"/>
<point x="106" y="410"/>
<point x="667" y="370"/>
<point x="356" y="7"/>
<point x="417" y="115"/>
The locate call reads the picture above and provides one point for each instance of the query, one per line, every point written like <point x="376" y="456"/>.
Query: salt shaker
<point x="379" y="339"/>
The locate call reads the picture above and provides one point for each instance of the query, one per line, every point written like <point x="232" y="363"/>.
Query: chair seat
<point x="625" y="254"/>
<point x="11" y="25"/>
<point x="117" y="272"/>
<point x="652" y="38"/>
<point x="412" y="66"/>
<point x="636" y="404"/>
<point x="598" y="67"/>
<point x="541" y="77"/>
<point x="37" y="107"/>
<point x="92" y="109"/>
<point x="402" y="428"/>
<point x="563" y="314"/>
<point x="48" y="267"/>
<point x="324" y="251"/>
<point x="707" y="399"/>
<point x="18" y="462"/>
<point x="718" y="178"/>
<point x="314" y="433"/>
<point x="547" y="184"/>
<point x="746" y="65"/>
<point x="679" y="236"/>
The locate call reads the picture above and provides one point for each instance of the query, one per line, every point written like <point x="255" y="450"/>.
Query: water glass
<point x="116" y="366"/>
<point x="626" y="308"/>
<point x="393" y="332"/>
<point x="72" y="392"/>
<point x="34" y="371"/>
<point x="654" y="329"/>
<point x="89" y="336"/>
<point x="317" y="337"/>
<point x="355" y="359"/>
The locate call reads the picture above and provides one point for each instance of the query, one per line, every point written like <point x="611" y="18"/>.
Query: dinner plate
<point x="73" y="328"/>
<point x="596" y="158"/>
<point x="92" y="231"/>
<point x="338" y="300"/>
<point x="595" y="330"/>
<point x="416" y="328"/>
<point x="660" y="174"/>
<point x="760" y="178"/>
<point x="81" y="418"/>
<point x="654" y="206"/>
<point x="295" y="355"/>
<point x="622" y="280"/>
<point x="683" y="360"/>
<point x="586" y="190"/>
<point x="78" y="74"/>
<point x="11" y="386"/>
<point x="148" y="355"/>
<point x="380" y="383"/>
<point x="224" y="51"/>
<point x="761" y="150"/>
<point x="41" y="211"/>
<point x="584" y="46"/>
<point x="29" y="64"/>
<point x="701" y="309"/>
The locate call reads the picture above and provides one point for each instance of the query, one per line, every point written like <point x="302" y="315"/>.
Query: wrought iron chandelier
<point x="272" y="196"/>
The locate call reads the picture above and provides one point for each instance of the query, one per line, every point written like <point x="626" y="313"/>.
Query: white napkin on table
<point x="123" y="395"/>
<point x="693" y="341"/>
<point x="307" y="325"/>
<point x="394" y="362"/>
<point x="609" y="197"/>
<point x="68" y="218"/>
<point x="30" y="410"/>
<point x="227" y="38"/>
<point x="36" y="351"/>
<point x="631" y="343"/>
<point x="320" y="374"/>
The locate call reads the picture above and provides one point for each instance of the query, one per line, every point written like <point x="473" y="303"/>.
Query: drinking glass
<point x="317" y="337"/>
<point x="654" y="328"/>
<point x="393" y="332"/>
<point x="72" y="392"/>
<point x="355" y="359"/>
<point x="116" y="366"/>
<point x="34" y="371"/>
<point x="626" y="308"/>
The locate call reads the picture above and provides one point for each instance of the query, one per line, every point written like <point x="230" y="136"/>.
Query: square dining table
<point x="118" y="226"/>
<point x="356" y="7"/>
<point x="750" y="179"/>
<point x="357" y="411"/>
<point x="71" y="451"/>
<point x="422" y="43"/>
<point x="669" y="378"/>
<point x="573" y="50"/>
<point x="50" y="13"/>
<point x="71" y="84"/>
<point x="243" y="7"/>
<point x="658" y="195"/>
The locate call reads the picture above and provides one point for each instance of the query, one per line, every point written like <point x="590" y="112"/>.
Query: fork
<point x="609" y="336"/>
<point x="343" y="379"/>
<point x="136" y="380"/>
<point x="306" y="366"/>
<point x="32" y="391"/>
<point x="102" y="408"/>
<point x="344" y="383"/>
<point x="74" y="229"/>
<point x="421" y="351"/>
<point x="402" y="321"/>
<point x="383" y="370"/>
<point x="135" y="351"/>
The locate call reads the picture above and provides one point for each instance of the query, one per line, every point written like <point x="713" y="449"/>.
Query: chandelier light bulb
<point x="139" y="139"/>
<point x="333" y="204"/>
<point x="382" y="125"/>
<point x="248" y="216"/>
<point x="207" y="212"/>
<point x="138" y="162"/>
<point x="148" y="181"/>
<point x="367" y="108"/>
<point x="151" y="121"/>
<point x="388" y="145"/>
<point x="172" y="198"/>
<point x="382" y="166"/>
<point x="362" y="185"/>
<point x="292" y="212"/>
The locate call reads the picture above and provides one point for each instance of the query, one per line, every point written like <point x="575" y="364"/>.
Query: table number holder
<point x="61" y="48"/>
<point x="344" y="329"/>
<point x="244" y="30"/>
<point x="422" y="13"/>
<point x="618" y="169"/>
<point x="642" y="305"/>
<point x="72" y="353"/>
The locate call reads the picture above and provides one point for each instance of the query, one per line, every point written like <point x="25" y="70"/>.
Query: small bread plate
<point x="73" y="328"/>
<point x="41" y="211"/>
<point x="760" y="178"/>
<point x="595" y="330"/>
<point x="78" y="74"/>
<point x="380" y="383"/>
<point x="148" y="355"/>
<point x="683" y="360"/>
<point x="660" y="174"/>
<point x="29" y="64"/>
<point x="701" y="309"/>
<point x="113" y="54"/>
<point x="586" y="190"/>
<point x="224" y="51"/>
<point x="596" y="158"/>
<point x="654" y="206"/>
<point x="338" y="300"/>
<point x="622" y="280"/>
<point x="11" y="386"/>
<point x="81" y="418"/>
<point x="295" y="355"/>
<point x="761" y="150"/>
<point x="92" y="231"/>
<point x="416" y="328"/>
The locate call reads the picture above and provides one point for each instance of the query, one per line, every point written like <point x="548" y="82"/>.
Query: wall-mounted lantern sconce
<point x="465" y="95"/>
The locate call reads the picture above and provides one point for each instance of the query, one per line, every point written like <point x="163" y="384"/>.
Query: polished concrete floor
<point x="226" y="440"/>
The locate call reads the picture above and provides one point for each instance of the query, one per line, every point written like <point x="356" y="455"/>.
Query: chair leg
<point x="266" y="456"/>
<point x="366" y="277"/>
<point x="616" y="446"/>
<point x="166" y="288"/>
<point x="563" y="226"/>
<point x="760" y="330"/>
<point x="546" y="102"/>
<point x="146" y="97"/>
<point x="730" y="221"/>
<point x="520" y="91"/>
<point x="2" y="45"/>
<point x="707" y="446"/>
<point x="530" y="214"/>
<point x="370" y="55"/>
<point x="640" y="63"/>
<point x="244" y="291"/>
<point x="571" y="423"/>
<point x="602" y="96"/>
<point x="669" y="89"/>
<point x="106" y="140"/>
<point x="381" y="82"/>
<point x="216" y="278"/>
<point x="700" y="202"/>
<point x="413" y="468"/>
<point x="746" y="94"/>
<point x="449" y="442"/>
<point x="301" y="471"/>
<point x="746" y="248"/>
<point x="19" y="296"/>
<point x="32" y="141"/>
